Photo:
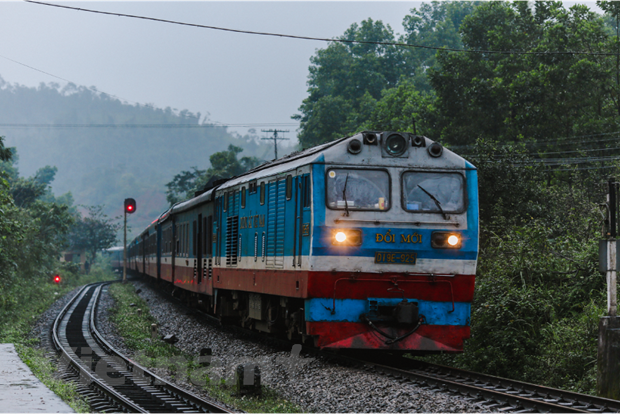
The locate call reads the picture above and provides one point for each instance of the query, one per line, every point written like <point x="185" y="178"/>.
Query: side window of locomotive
<point x="262" y="193"/>
<point x="358" y="189"/>
<point x="423" y="191"/>
<point x="242" y="197"/>
<point x="305" y="191"/>
<point x="289" y="187"/>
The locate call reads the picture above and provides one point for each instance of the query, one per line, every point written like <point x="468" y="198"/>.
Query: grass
<point x="28" y="302"/>
<point x="135" y="328"/>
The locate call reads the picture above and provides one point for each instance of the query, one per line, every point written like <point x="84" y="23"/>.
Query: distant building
<point x="74" y="256"/>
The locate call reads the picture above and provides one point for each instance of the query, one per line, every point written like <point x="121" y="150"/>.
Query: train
<point x="368" y="242"/>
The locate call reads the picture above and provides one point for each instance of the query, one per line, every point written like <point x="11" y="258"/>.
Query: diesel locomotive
<point x="366" y="242"/>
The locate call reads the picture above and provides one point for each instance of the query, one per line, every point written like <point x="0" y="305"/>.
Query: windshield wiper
<point x="445" y="217"/>
<point x="344" y="195"/>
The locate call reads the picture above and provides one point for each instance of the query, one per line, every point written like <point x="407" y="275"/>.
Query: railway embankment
<point x="291" y="382"/>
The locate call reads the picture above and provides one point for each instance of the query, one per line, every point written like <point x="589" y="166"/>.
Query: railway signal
<point x="130" y="208"/>
<point x="130" y="205"/>
<point x="57" y="279"/>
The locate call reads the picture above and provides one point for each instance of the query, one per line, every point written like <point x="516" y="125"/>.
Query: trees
<point x="341" y="75"/>
<point x="542" y="95"/>
<point x="224" y="164"/>
<point x="93" y="232"/>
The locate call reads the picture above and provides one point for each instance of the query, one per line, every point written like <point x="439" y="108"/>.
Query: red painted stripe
<point x="166" y="272"/>
<point x="290" y="283"/>
<point x="349" y="285"/>
<point x="351" y="335"/>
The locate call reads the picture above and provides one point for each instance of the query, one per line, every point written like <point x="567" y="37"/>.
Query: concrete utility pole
<point x="608" y="377"/>
<point x="275" y="138"/>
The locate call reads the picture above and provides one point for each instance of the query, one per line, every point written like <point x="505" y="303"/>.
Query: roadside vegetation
<point x="35" y="227"/>
<point x="27" y="304"/>
<point x="135" y="328"/>
<point x="538" y="293"/>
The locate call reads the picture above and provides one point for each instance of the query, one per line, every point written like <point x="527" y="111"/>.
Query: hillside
<point x="100" y="158"/>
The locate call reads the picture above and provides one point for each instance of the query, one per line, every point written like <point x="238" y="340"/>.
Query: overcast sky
<point x="236" y="78"/>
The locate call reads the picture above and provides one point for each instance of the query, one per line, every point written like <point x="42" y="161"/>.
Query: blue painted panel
<point x="349" y="310"/>
<point x="318" y="193"/>
<point x="473" y="206"/>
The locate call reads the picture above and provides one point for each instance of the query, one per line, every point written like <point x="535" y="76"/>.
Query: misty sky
<point x="236" y="78"/>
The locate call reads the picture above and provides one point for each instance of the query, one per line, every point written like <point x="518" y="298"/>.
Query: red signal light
<point x="57" y="279"/>
<point x="130" y="205"/>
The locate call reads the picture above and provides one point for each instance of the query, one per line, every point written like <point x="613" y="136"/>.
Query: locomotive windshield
<point x="422" y="191"/>
<point x="358" y="189"/>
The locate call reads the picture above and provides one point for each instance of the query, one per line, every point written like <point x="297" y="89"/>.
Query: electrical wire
<point x="165" y="126"/>
<point x="322" y="39"/>
<point x="63" y="79"/>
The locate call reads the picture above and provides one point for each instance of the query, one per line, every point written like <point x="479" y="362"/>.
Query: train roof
<point x="320" y="153"/>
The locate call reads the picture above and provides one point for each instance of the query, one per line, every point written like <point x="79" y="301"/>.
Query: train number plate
<point x="396" y="257"/>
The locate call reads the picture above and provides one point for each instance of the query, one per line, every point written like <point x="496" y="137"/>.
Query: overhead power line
<point x="165" y="126"/>
<point x="58" y="77"/>
<point x="322" y="39"/>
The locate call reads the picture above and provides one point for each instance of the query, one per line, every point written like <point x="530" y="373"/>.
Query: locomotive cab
<point x="396" y="247"/>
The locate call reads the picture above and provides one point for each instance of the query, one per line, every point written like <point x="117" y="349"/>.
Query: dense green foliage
<point x="224" y="164"/>
<point x="538" y="292"/>
<point x="93" y="233"/>
<point x="33" y="231"/>
<point x="531" y="118"/>
<point x="101" y="159"/>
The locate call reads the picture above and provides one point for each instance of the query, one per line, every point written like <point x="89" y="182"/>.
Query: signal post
<point x="130" y="207"/>
<point x="608" y="376"/>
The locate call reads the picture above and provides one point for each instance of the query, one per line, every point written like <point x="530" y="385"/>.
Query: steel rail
<point x="140" y="391"/>
<point x="73" y="362"/>
<point x="145" y="374"/>
<point x="509" y="395"/>
<point x="595" y="404"/>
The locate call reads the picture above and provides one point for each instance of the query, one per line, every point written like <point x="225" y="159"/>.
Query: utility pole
<point x="275" y="138"/>
<point x="608" y="375"/>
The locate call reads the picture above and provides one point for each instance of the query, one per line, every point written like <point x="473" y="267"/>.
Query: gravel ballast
<point x="316" y="385"/>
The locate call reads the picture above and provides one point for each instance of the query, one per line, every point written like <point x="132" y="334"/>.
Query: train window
<point x="204" y="236"/>
<point x="194" y="238"/>
<point x="209" y="251"/>
<point x="262" y="193"/>
<point x="187" y="239"/>
<point x="353" y="189"/>
<point x="305" y="191"/>
<point x="425" y="192"/>
<point x="289" y="187"/>
<point x="252" y="187"/>
<point x="225" y="206"/>
<point x="242" y="197"/>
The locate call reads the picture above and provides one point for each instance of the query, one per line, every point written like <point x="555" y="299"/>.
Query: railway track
<point x="497" y="394"/>
<point x="500" y="394"/>
<point x="110" y="381"/>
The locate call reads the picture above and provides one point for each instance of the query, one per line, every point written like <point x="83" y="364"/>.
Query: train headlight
<point x="446" y="240"/>
<point x="346" y="237"/>
<point x="395" y="145"/>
